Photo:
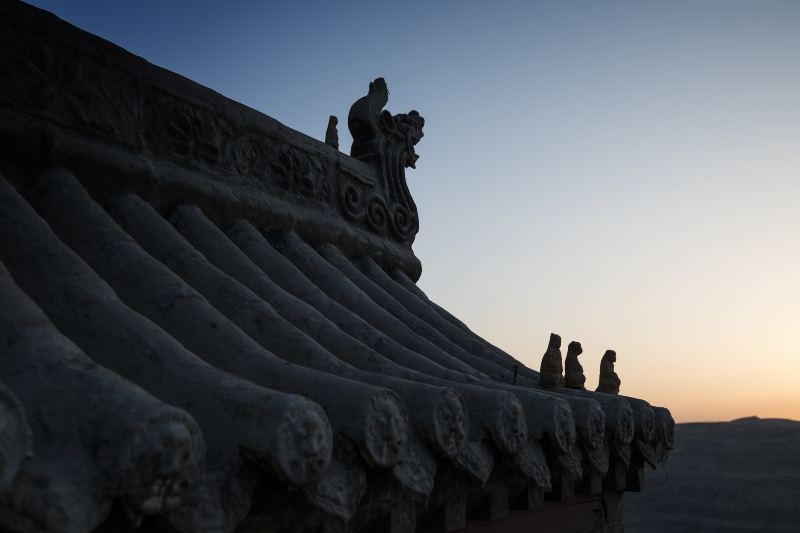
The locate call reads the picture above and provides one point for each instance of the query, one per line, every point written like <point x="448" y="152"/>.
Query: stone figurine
<point x="332" y="134"/>
<point x="573" y="371"/>
<point x="609" y="381"/>
<point x="551" y="370"/>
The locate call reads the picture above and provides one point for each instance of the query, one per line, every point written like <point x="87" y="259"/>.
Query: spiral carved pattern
<point x="402" y="223"/>
<point x="377" y="214"/>
<point x="350" y="198"/>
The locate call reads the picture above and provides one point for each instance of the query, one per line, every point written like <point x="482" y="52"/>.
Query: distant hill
<point x="739" y="476"/>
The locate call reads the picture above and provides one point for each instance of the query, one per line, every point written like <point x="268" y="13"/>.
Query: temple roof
<point x="211" y="321"/>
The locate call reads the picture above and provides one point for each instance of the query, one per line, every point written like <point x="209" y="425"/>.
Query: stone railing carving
<point x="198" y="136"/>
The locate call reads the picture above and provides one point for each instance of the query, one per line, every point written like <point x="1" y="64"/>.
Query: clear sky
<point x="626" y="174"/>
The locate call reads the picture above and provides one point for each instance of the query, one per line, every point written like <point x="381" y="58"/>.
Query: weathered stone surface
<point x="415" y="470"/>
<point x="476" y="461"/>
<point x="342" y="486"/>
<point x="438" y="413"/>
<point x="295" y="446"/>
<point x="95" y="436"/>
<point x="619" y="416"/>
<point x="246" y="296"/>
<point x="499" y="413"/>
<point x="15" y="436"/>
<point x="373" y="418"/>
<point x="598" y="462"/>
<point x="531" y="461"/>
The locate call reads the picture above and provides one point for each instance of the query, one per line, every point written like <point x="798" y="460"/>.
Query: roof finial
<point x="332" y="134"/>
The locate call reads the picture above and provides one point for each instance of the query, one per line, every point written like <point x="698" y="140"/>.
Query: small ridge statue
<point x="332" y="134"/>
<point x="551" y="371"/>
<point x="609" y="380"/>
<point x="573" y="371"/>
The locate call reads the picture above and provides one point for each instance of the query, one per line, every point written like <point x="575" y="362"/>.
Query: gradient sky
<point x="626" y="174"/>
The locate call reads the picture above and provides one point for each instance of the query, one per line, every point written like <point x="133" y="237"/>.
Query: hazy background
<point x="626" y="174"/>
<point x="734" y="477"/>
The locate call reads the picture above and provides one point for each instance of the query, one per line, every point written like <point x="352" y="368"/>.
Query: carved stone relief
<point x="147" y="112"/>
<point x="386" y="142"/>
